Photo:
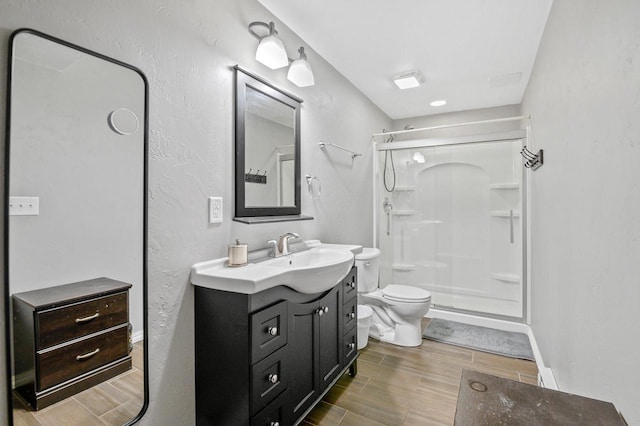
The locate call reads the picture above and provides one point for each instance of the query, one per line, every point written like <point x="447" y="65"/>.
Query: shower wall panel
<point x="454" y="227"/>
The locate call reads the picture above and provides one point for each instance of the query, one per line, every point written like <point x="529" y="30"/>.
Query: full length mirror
<point x="76" y="228"/>
<point x="267" y="149"/>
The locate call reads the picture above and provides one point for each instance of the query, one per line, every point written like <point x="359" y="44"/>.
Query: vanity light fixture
<point x="438" y="103"/>
<point x="300" y="72"/>
<point x="271" y="52"/>
<point x="408" y="80"/>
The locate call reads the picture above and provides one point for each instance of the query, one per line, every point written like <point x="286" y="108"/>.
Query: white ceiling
<point x="469" y="51"/>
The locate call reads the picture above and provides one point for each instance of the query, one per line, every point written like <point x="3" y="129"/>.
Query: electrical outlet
<point x="215" y="209"/>
<point x="24" y="206"/>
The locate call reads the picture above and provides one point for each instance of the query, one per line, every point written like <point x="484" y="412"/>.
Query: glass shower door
<point x="451" y="224"/>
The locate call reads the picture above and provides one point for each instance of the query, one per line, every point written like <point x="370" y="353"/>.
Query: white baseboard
<point x="137" y="336"/>
<point x="546" y="378"/>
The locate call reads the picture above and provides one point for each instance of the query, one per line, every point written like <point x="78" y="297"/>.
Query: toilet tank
<point x="368" y="266"/>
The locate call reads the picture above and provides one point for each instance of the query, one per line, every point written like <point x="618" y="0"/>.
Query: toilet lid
<point x="405" y="293"/>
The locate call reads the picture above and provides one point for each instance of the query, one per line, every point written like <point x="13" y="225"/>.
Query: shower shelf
<point x="504" y="186"/>
<point x="403" y="267"/>
<point x="503" y="213"/>
<point x="506" y="277"/>
<point x="404" y="212"/>
<point x="404" y="188"/>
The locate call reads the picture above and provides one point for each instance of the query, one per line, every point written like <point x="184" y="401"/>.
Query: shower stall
<point x="450" y="218"/>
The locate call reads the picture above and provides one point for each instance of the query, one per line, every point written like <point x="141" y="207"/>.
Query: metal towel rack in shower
<point x="354" y="154"/>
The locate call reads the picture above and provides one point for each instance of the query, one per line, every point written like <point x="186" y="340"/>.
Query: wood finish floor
<point x="410" y="386"/>
<point x="113" y="402"/>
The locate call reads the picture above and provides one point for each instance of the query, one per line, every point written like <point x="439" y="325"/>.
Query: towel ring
<point x="314" y="186"/>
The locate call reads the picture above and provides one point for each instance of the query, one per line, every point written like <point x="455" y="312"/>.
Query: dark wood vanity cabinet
<point x="266" y="359"/>
<point x="68" y="338"/>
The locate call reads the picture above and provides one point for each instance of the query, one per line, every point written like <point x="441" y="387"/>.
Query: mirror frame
<point x="7" y="295"/>
<point x="243" y="213"/>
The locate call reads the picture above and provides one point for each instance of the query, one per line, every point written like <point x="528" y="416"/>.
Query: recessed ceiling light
<point x="438" y="103"/>
<point x="408" y="80"/>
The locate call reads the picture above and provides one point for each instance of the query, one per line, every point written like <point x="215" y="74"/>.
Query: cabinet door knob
<point x="352" y="315"/>
<point x="320" y="312"/>
<point x="273" y="331"/>
<point x="274" y="424"/>
<point x="352" y="285"/>
<point x="352" y="345"/>
<point x="326" y="309"/>
<point x="273" y="378"/>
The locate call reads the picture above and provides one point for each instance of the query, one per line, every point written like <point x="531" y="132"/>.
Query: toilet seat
<point x="406" y="294"/>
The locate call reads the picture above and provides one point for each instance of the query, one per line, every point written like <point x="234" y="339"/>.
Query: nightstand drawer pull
<point x="87" y="319"/>
<point x="87" y="355"/>
<point x="273" y="378"/>
<point x="273" y="331"/>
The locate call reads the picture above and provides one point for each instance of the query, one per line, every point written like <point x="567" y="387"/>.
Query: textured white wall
<point x="186" y="50"/>
<point x="584" y="100"/>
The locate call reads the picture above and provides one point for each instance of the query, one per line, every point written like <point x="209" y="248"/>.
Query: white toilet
<point x="397" y="309"/>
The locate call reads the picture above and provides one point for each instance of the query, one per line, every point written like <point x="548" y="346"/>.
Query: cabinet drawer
<point x="68" y="361"/>
<point x="350" y="345"/>
<point x="268" y="331"/>
<point x="60" y="325"/>
<point x="349" y="286"/>
<point x="351" y="314"/>
<point x="276" y="413"/>
<point x="268" y="380"/>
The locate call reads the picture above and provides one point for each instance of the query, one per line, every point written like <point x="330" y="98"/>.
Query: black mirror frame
<point x="245" y="79"/>
<point x="7" y="295"/>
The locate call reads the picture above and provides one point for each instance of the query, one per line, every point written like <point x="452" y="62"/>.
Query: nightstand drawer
<point x="60" y="325"/>
<point x="66" y="362"/>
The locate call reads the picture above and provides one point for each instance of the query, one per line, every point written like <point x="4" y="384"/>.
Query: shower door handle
<point x="511" y="235"/>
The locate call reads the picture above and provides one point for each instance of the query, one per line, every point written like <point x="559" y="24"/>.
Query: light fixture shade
<point x="271" y="52"/>
<point x="300" y="72"/>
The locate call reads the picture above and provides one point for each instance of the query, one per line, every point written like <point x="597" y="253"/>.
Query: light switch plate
<point x="215" y="209"/>
<point x="24" y="206"/>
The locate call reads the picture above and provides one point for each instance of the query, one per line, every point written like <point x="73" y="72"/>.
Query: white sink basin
<point x="312" y="271"/>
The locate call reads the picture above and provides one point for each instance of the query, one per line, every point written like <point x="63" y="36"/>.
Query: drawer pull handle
<point x="352" y="345"/>
<point x="87" y="319"/>
<point x="273" y="331"/>
<point x="352" y="315"/>
<point x="273" y="378"/>
<point x="87" y="355"/>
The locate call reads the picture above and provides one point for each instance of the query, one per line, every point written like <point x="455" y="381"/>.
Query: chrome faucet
<point x="281" y="247"/>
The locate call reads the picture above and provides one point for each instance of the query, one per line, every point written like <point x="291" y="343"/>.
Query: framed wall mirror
<point x="267" y="151"/>
<point x="76" y="235"/>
